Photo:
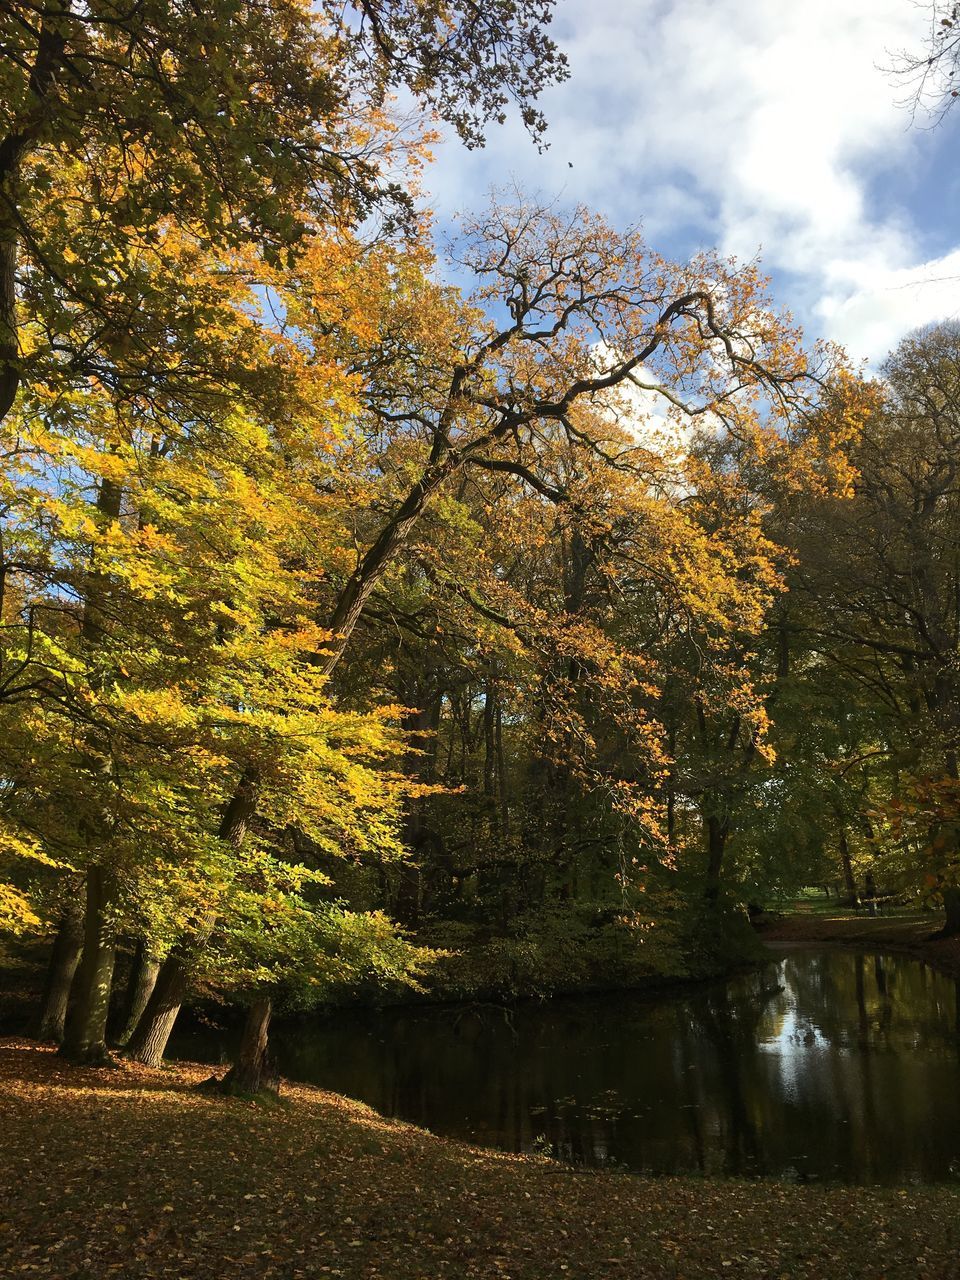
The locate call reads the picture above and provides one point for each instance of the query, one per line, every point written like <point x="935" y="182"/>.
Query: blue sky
<point x="752" y="126"/>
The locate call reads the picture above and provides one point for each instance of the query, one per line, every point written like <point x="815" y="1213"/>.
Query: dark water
<point x="827" y="1065"/>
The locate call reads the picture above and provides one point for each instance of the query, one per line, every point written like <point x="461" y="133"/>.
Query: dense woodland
<point x="362" y="633"/>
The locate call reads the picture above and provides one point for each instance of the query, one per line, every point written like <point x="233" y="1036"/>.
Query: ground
<point x="131" y="1173"/>
<point x="913" y="933"/>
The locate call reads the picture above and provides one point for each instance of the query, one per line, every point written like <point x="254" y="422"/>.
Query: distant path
<point x="906" y="934"/>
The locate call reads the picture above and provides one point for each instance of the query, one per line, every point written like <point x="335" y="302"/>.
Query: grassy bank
<point x="907" y="934"/>
<point x="129" y="1173"/>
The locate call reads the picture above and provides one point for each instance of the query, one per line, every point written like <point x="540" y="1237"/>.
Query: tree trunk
<point x="67" y="949"/>
<point x="85" y="1040"/>
<point x="380" y="555"/>
<point x="86" y="1033"/>
<point x="408" y="897"/>
<point x="254" y="1071"/>
<point x="717" y="831"/>
<point x="951" y="905"/>
<point x="148" y="1042"/>
<point x="143" y="979"/>
<point x="848" y="879"/>
<point x="502" y="776"/>
<point x="9" y="343"/>
<point x="25" y="130"/>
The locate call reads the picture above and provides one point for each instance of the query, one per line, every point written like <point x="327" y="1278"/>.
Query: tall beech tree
<point x="238" y="133"/>
<point x="202" y="662"/>
<point x="172" y="627"/>
<point x="241" y="124"/>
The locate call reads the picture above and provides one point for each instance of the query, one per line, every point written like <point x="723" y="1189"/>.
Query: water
<point x="823" y="1065"/>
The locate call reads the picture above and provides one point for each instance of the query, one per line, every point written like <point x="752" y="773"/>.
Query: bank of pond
<point x="823" y="1064"/>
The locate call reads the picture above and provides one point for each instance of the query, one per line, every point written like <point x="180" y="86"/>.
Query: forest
<point x="392" y="616"/>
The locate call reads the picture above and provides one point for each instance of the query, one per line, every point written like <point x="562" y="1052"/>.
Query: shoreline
<point x="21" y="989"/>
<point x="898" y="935"/>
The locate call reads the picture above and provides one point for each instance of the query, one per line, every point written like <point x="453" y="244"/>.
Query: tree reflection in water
<point x="830" y="1065"/>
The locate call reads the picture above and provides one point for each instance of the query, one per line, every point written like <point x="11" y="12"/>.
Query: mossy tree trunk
<point x="85" y="1040"/>
<point x="64" y="959"/>
<point x="254" y="1072"/>
<point x="148" y="1040"/>
<point x="143" y="979"/>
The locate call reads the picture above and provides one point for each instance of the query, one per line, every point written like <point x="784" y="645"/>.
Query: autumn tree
<point x="469" y="63"/>
<point x="129" y="134"/>
<point x="882" y="571"/>
<point x="283" y="944"/>
<point x="726" y="668"/>
<point x="240" y="124"/>
<point x="168" y="633"/>
<point x="590" y="309"/>
<point x="620" y="539"/>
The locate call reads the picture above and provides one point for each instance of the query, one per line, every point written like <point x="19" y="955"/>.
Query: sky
<point x="768" y="128"/>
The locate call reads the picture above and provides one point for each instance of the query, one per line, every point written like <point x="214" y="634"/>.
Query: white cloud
<point x="885" y="303"/>
<point x="748" y="124"/>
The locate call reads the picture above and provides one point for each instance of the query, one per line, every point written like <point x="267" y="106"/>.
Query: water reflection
<point x="825" y="1065"/>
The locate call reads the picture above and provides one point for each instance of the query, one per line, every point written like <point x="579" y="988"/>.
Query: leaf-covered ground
<point x="129" y="1173"/>
<point x="912" y="934"/>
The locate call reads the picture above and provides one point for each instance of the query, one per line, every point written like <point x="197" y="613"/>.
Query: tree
<point x="157" y="637"/>
<point x="591" y="310"/>
<point x="569" y="591"/>
<point x="881" y="575"/>
<point x="467" y="61"/>
<point x="279" y="943"/>
<point x="932" y="73"/>
<point x="242" y="124"/>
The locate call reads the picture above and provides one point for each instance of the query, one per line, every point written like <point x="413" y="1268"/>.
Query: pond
<point x="825" y="1065"/>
